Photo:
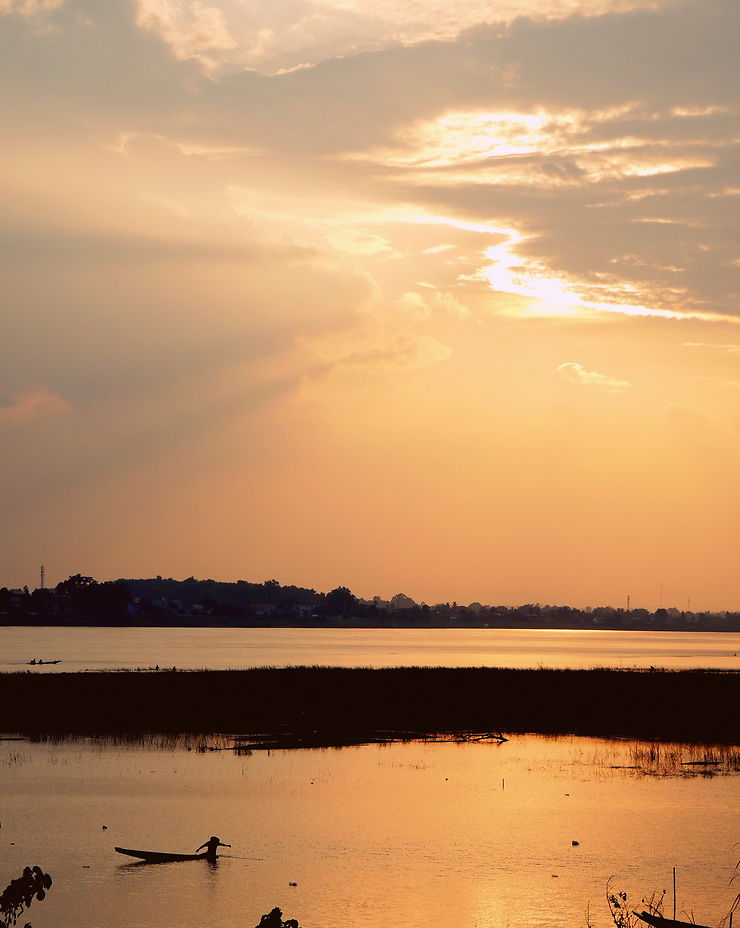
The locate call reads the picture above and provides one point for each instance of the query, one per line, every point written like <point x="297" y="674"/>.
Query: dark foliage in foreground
<point x="274" y="919"/>
<point x="20" y="893"/>
<point x="688" y="705"/>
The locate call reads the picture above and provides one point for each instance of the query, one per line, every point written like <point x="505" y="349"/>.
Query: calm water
<point x="405" y="835"/>
<point x="219" y="648"/>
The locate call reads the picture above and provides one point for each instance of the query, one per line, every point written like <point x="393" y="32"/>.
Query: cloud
<point x="614" y="188"/>
<point x="192" y="30"/>
<point x="685" y="416"/>
<point x="401" y="351"/>
<point x="712" y="346"/>
<point x="432" y="303"/>
<point x="577" y="373"/>
<point x="387" y="336"/>
<point x="721" y="382"/>
<point x="29" y="8"/>
<point x="274" y="38"/>
<point x="31" y="405"/>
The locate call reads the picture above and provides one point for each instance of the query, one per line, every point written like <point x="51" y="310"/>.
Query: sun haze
<point x="438" y="297"/>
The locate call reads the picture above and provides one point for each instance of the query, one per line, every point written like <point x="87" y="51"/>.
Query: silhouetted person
<point x="211" y="845"/>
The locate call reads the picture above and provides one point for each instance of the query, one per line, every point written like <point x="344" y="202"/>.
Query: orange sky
<point x="432" y="297"/>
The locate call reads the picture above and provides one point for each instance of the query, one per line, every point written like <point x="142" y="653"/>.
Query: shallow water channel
<point x="434" y="834"/>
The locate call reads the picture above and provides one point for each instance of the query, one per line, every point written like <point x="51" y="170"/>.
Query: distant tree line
<point x="165" y="601"/>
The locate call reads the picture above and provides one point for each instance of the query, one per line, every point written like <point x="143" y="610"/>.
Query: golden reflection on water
<point x="223" y="648"/>
<point x="404" y="834"/>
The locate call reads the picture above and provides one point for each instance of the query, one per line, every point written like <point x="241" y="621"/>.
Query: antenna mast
<point x="43" y="576"/>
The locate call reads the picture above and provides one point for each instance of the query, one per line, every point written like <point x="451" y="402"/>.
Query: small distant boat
<point x="34" y="661"/>
<point x="659" y="922"/>
<point x="159" y="857"/>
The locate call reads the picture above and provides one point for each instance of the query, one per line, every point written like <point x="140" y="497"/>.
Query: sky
<point x="432" y="296"/>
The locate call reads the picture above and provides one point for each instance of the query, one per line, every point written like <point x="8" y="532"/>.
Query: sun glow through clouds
<point x="510" y="273"/>
<point x="317" y="284"/>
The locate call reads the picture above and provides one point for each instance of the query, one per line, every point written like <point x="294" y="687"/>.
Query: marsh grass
<point x="339" y="705"/>
<point x="621" y="907"/>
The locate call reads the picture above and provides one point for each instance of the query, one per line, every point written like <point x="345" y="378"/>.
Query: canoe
<point x="159" y="857"/>
<point x="659" y="922"/>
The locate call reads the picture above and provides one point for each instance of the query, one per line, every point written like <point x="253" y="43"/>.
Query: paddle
<point x="237" y="857"/>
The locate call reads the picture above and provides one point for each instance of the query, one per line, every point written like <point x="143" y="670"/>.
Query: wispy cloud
<point x="192" y="30"/>
<point x="721" y="382"/>
<point x="280" y="38"/>
<point x="29" y="8"/>
<point x="577" y="373"/>
<point x="713" y="346"/>
<point x="683" y="416"/>
<point x="37" y="403"/>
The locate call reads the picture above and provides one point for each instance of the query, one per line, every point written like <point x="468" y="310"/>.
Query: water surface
<point x="224" y="648"/>
<point x="476" y="835"/>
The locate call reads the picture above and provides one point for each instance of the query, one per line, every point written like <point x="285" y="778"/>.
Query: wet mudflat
<point x="406" y="834"/>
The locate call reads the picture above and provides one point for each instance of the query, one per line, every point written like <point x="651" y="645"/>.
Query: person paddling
<point x="211" y="845"/>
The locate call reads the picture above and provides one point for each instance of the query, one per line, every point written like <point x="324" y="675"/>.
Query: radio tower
<point x="43" y="576"/>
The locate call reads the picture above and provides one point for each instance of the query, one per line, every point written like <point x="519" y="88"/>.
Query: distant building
<point x="262" y="609"/>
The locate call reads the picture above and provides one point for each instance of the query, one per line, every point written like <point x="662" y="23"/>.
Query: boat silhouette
<point x="160" y="857"/>
<point x="657" y="921"/>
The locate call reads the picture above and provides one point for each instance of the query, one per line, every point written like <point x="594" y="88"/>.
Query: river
<point x="225" y="648"/>
<point x="408" y="835"/>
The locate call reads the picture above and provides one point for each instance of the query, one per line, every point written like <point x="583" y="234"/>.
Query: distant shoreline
<point x="164" y="602"/>
<point x="229" y="622"/>
<point x="336" y="703"/>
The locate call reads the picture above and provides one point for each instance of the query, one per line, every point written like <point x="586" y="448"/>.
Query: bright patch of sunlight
<point x="465" y="137"/>
<point x="552" y="296"/>
<point x="540" y="149"/>
<point x="667" y="167"/>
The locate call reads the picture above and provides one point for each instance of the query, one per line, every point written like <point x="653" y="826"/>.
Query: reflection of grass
<point x="580" y="757"/>
<point x="15" y="759"/>
<point x="670" y="759"/>
<point x="685" y="760"/>
<point x="332" y="705"/>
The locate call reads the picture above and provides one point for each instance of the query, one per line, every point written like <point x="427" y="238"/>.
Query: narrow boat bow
<point x="159" y="857"/>
<point x="659" y="922"/>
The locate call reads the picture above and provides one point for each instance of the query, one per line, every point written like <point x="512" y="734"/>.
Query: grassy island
<point x="339" y="703"/>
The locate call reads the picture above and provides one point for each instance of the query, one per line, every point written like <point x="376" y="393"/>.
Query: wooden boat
<point x="658" y="922"/>
<point x="159" y="857"/>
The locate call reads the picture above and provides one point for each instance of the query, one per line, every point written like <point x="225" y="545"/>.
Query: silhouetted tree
<point x="75" y="584"/>
<point x="84" y="596"/>
<point x="342" y="601"/>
